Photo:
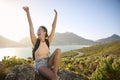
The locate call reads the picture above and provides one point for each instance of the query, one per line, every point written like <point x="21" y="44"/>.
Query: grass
<point x="99" y="62"/>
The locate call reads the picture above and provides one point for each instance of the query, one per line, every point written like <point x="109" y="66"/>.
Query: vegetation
<point x="108" y="48"/>
<point x="99" y="62"/>
<point x="107" y="70"/>
<point x="8" y="62"/>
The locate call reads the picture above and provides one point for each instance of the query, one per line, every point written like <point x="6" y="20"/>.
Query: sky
<point x="90" y="19"/>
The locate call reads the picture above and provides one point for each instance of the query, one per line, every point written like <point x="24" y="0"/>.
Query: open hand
<point x="26" y="8"/>
<point x="55" y="11"/>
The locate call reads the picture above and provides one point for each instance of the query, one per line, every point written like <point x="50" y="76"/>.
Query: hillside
<point x="108" y="48"/>
<point x="112" y="38"/>
<point x="4" y="42"/>
<point x="100" y="62"/>
<point x="103" y="49"/>
<point x="69" y="38"/>
<point x="26" y="42"/>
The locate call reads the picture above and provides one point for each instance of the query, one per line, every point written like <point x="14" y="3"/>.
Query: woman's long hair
<point x="45" y="29"/>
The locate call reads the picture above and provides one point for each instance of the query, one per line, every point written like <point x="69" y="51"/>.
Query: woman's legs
<point x="46" y="72"/>
<point x="54" y="60"/>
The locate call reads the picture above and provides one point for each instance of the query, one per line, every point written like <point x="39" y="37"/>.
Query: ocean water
<point x="25" y="52"/>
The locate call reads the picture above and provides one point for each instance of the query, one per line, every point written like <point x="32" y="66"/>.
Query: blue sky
<point x="91" y="19"/>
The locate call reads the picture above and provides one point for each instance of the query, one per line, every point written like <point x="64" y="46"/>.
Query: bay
<point x="25" y="52"/>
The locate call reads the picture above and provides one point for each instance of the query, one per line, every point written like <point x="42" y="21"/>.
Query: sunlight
<point x="13" y="25"/>
<point x="6" y="52"/>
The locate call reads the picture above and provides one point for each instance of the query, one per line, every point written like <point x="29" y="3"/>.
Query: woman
<point x="46" y="66"/>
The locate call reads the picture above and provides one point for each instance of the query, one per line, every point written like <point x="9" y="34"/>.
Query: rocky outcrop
<point x="27" y="72"/>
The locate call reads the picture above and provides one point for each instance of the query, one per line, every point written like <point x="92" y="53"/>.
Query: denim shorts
<point x="41" y="62"/>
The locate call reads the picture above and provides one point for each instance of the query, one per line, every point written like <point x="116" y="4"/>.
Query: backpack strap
<point x="35" y="48"/>
<point x="37" y="45"/>
<point x="47" y="42"/>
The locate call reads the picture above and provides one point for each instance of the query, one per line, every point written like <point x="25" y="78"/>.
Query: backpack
<point x="37" y="45"/>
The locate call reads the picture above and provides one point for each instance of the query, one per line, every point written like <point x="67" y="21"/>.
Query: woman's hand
<point x="26" y="8"/>
<point x="55" y="11"/>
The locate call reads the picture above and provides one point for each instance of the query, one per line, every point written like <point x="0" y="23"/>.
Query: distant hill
<point x="112" y="38"/>
<point x="26" y="42"/>
<point x="4" y="42"/>
<point x="69" y="38"/>
<point x="101" y="49"/>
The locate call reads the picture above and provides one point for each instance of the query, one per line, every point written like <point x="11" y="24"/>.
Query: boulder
<point x="27" y="72"/>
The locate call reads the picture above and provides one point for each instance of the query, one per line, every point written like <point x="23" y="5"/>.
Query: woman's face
<point x="40" y="31"/>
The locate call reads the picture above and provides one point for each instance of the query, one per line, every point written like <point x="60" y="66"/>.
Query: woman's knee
<point x="58" y="51"/>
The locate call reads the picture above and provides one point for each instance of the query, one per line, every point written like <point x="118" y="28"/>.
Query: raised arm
<point x="50" y="38"/>
<point x="32" y="35"/>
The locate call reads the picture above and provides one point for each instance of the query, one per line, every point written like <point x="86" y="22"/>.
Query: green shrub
<point x="8" y="63"/>
<point x="106" y="71"/>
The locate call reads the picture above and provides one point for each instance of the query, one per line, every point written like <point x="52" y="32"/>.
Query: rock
<point x="27" y="72"/>
<point x="21" y="72"/>
<point x="67" y="75"/>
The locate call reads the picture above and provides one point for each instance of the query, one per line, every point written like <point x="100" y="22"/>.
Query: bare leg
<point x="46" y="72"/>
<point x="54" y="60"/>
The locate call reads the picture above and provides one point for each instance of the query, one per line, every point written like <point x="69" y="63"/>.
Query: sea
<point x="25" y="52"/>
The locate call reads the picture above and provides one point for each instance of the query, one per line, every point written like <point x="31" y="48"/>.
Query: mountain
<point x="112" y="38"/>
<point x="66" y="38"/>
<point x="102" y="49"/>
<point x="4" y="42"/>
<point x="69" y="38"/>
<point x="26" y="42"/>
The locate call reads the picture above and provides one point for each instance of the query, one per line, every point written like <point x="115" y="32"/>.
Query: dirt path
<point x="78" y="54"/>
